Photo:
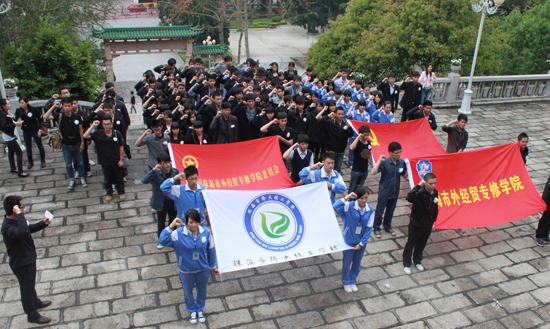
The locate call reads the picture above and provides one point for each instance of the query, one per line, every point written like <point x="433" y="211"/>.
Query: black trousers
<point x="169" y="209"/>
<point x="113" y="175"/>
<point x="26" y="275"/>
<point x="316" y="149"/>
<point x="404" y="117"/>
<point x="543" y="230"/>
<point x="418" y="237"/>
<point x="14" y="149"/>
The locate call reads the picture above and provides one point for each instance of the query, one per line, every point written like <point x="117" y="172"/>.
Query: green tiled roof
<point x="209" y="50"/>
<point x="153" y="32"/>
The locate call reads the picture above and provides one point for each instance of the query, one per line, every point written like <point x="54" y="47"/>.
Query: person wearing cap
<point x="197" y="135"/>
<point x="390" y="91"/>
<point x="300" y="157"/>
<point x="245" y="113"/>
<point x="224" y="126"/>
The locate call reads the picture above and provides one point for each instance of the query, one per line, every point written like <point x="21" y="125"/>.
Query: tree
<point x="313" y="14"/>
<point x="529" y="41"/>
<point x="49" y="59"/>
<point x="23" y="16"/>
<point x="210" y="13"/>
<point x="376" y="37"/>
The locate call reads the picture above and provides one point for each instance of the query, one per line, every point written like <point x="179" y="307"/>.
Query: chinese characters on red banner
<point x="479" y="193"/>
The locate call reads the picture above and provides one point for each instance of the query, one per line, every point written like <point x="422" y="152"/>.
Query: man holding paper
<point x="16" y="232"/>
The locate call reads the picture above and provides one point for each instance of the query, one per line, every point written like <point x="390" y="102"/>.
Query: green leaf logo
<point x="276" y="229"/>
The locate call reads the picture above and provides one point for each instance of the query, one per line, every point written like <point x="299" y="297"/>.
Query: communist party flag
<point x="251" y="165"/>
<point x="416" y="138"/>
<point x="479" y="188"/>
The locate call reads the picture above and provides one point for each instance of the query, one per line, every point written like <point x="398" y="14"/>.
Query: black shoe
<point x="377" y="234"/>
<point x="390" y="231"/>
<point x="43" y="164"/>
<point x="22" y="175"/>
<point x="13" y="171"/>
<point x="45" y="303"/>
<point x="30" y="165"/>
<point x="41" y="320"/>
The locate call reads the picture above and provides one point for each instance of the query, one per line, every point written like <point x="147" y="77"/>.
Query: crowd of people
<point x="226" y="104"/>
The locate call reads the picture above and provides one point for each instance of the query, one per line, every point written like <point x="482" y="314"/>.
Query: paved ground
<point x="99" y="263"/>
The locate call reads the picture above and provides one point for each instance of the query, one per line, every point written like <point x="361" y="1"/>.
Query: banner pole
<point x="409" y="172"/>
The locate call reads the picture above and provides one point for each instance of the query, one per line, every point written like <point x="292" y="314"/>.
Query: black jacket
<point x="412" y="95"/>
<point x="192" y="138"/>
<point x="248" y="130"/>
<point x="219" y="130"/>
<point x="18" y="240"/>
<point x="424" y="207"/>
<point x="7" y="124"/>
<point x="416" y="113"/>
<point x="337" y="134"/>
<point x="30" y="121"/>
<point x="384" y="87"/>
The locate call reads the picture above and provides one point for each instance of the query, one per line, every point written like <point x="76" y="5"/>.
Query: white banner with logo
<point x="256" y="228"/>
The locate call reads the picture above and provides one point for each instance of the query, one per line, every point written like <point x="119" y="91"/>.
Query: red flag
<point x="416" y="138"/>
<point x="251" y="165"/>
<point x="480" y="188"/>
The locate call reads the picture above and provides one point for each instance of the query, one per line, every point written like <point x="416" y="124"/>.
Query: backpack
<point x="56" y="138"/>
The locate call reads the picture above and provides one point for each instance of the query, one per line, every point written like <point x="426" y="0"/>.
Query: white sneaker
<point x="202" y="318"/>
<point x="347" y="288"/>
<point x="420" y="267"/>
<point x="159" y="246"/>
<point x="76" y="175"/>
<point x="83" y="182"/>
<point x="91" y="162"/>
<point x="193" y="318"/>
<point x="71" y="185"/>
<point x="89" y="174"/>
<point x="353" y="288"/>
<point x="407" y="270"/>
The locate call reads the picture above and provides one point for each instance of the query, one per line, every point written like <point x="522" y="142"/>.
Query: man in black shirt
<point x="70" y="125"/>
<point x="361" y="149"/>
<point x="109" y="145"/>
<point x="224" y="127"/>
<point x="412" y="96"/>
<point x="390" y="91"/>
<point x="278" y="127"/>
<point x="458" y="136"/>
<point x="300" y="157"/>
<point x="22" y="254"/>
<point x="245" y="113"/>
<point x="337" y="132"/>
<point x="423" y="111"/>
<point x="523" y="139"/>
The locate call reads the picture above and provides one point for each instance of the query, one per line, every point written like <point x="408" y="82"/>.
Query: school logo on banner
<point x="274" y="222"/>
<point x="423" y="167"/>
<point x="189" y="160"/>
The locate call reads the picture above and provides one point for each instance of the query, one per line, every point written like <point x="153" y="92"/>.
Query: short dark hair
<point x="10" y="201"/>
<point x="109" y="103"/>
<point x="329" y="155"/>
<point x="347" y="92"/>
<point x="105" y="117"/>
<point x="63" y="88"/>
<point x="198" y="124"/>
<point x="339" y="108"/>
<point x="155" y="124"/>
<point x="227" y="58"/>
<point x="362" y="102"/>
<point x="360" y="191"/>
<point x="522" y="136"/>
<point x="110" y="93"/>
<point x="216" y="94"/>
<point x="415" y="74"/>
<point x="109" y="85"/>
<point x="198" y="60"/>
<point x="364" y="129"/>
<point x="226" y="105"/>
<point x="429" y="176"/>
<point x="192" y="214"/>
<point x="66" y="100"/>
<point x="299" y="100"/>
<point x="427" y="103"/>
<point x="302" y="138"/>
<point x="163" y="157"/>
<point x="394" y="146"/>
<point x="172" y="61"/>
<point x="343" y="69"/>
<point x="282" y="115"/>
<point x="461" y="117"/>
<point x="190" y="171"/>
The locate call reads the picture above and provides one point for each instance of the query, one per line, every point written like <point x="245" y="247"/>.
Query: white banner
<point x="256" y="228"/>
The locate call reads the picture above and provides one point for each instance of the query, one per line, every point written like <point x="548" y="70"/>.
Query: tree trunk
<point x="221" y="40"/>
<point x="269" y="9"/>
<point x="241" y="36"/>
<point x="246" y="47"/>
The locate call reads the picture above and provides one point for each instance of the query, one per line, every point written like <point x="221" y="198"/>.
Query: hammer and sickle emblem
<point x="373" y="139"/>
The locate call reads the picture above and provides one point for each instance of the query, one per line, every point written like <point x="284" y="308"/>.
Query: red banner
<point x="251" y="165"/>
<point x="480" y="188"/>
<point x="416" y="137"/>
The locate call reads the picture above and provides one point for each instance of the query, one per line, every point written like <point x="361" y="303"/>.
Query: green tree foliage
<point x="376" y="37"/>
<point x="50" y="59"/>
<point x="529" y="41"/>
<point x="313" y="14"/>
<point x="24" y="15"/>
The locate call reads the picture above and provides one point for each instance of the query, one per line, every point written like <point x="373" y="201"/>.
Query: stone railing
<point x="492" y="89"/>
<point x="449" y="91"/>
